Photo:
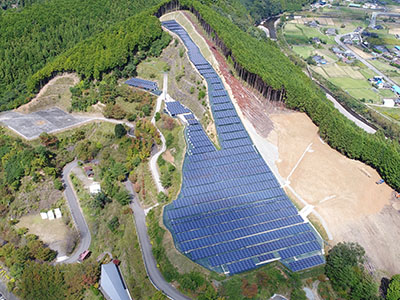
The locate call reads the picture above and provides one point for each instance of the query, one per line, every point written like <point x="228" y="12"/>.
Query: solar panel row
<point x="236" y="244"/>
<point x="306" y="263"/>
<point x="231" y="212"/>
<point x="175" y="108"/>
<point x="241" y="266"/>
<point x="141" y="83"/>
<point x="261" y="249"/>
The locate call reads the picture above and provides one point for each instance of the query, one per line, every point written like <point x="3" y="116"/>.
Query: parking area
<point x="30" y="126"/>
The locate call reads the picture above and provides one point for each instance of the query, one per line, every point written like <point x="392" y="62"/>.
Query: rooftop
<point x="112" y="283"/>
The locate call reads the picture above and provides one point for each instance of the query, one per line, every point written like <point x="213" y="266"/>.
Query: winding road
<point x="149" y="261"/>
<point x="76" y="213"/>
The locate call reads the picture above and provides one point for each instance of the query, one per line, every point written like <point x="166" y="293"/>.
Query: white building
<point x="57" y="212"/>
<point x="388" y="102"/>
<point x="50" y="215"/>
<point x="95" y="188"/>
<point x="43" y="215"/>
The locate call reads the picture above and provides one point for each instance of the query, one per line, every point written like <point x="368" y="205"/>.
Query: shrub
<point x="113" y="224"/>
<point x="119" y="131"/>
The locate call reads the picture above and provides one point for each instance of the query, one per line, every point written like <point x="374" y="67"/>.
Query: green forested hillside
<point x="33" y="36"/>
<point x="260" y="9"/>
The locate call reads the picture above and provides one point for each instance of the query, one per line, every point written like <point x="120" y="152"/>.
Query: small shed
<point x="50" y="215"/>
<point x="112" y="284"/>
<point x="57" y="212"/>
<point x="397" y="47"/>
<point x="43" y="215"/>
<point x="331" y="31"/>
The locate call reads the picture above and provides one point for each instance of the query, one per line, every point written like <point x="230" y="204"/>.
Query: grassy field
<point x="386" y="93"/>
<point x="393" y="113"/>
<point x="303" y="51"/>
<point x="367" y="73"/>
<point x="152" y="69"/>
<point x="358" y="88"/>
<point x="382" y="66"/>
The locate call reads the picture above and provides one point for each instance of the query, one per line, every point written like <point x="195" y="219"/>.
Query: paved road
<point x="76" y="213"/>
<point x="5" y="292"/>
<point x="372" y="22"/>
<point x="149" y="261"/>
<point x="349" y="116"/>
<point x="365" y="62"/>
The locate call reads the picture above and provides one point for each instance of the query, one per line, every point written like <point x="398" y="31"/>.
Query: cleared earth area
<point x="54" y="233"/>
<point x="342" y="190"/>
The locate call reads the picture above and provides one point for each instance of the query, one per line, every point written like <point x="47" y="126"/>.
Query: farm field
<point x="384" y="67"/>
<point x="303" y="50"/>
<point x="300" y="34"/>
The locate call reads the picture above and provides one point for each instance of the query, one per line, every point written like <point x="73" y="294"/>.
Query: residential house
<point x="396" y="89"/>
<point x="316" y="40"/>
<point x="381" y="49"/>
<point x="319" y="60"/>
<point x="312" y="24"/>
<point x="330" y="31"/>
<point x="89" y="171"/>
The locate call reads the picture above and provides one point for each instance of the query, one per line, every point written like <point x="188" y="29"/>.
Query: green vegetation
<point x="119" y="131"/>
<point x="344" y="267"/>
<point x="34" y="36"/>
<point x="121" y="101"/>
<point x="393" y="292"/>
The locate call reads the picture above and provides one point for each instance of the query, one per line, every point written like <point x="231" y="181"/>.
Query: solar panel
<point x="231" y="212"/>
<point x="307" y="263"/>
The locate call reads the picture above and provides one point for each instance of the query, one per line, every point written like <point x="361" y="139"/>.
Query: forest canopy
<point x="33" y="36"/>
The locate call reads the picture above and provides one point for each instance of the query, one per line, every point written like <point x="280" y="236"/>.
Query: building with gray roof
<point x="112" y="284"/>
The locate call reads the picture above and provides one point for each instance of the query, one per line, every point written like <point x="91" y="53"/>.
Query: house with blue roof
<point x="112" y="284"/>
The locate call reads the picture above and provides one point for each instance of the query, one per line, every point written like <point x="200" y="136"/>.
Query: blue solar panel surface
<point x="143" y="84"/>
<point x="231" y="214"/>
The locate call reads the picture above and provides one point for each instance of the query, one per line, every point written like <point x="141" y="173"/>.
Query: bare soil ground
<point x="394" y="30"/>
<point x="361" y="53"/>
<point x="342" y="190"/>
<point x="54" y="233"/>
<point x="55" y="93"/>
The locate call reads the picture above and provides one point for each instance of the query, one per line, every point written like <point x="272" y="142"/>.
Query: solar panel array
<point x="176" y="108"/>
<point x="143" y="84"/>
<point x="231" y="214"/>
